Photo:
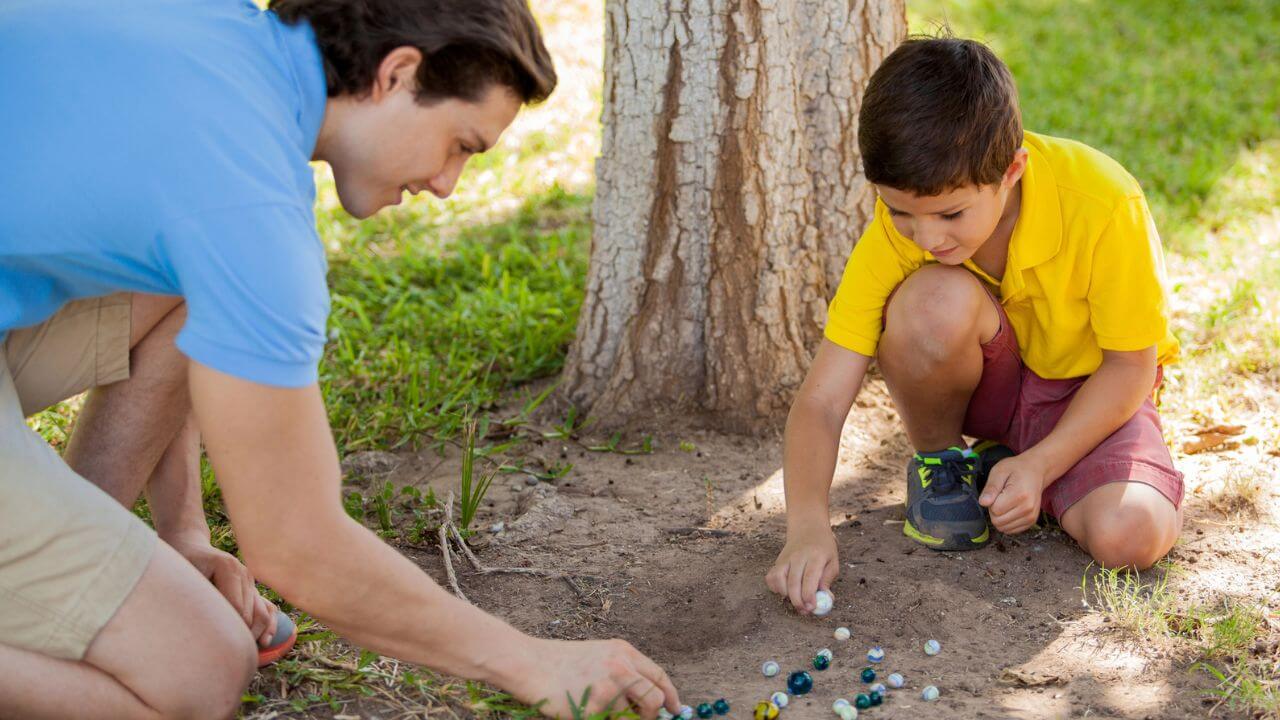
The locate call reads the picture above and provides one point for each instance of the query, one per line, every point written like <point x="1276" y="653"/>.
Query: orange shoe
<point x="281" y="643"/>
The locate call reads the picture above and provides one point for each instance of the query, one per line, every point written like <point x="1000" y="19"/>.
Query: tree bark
<point x="729" y="194"/>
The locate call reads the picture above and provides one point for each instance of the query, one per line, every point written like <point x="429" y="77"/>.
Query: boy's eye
<point x="952" y="216"/>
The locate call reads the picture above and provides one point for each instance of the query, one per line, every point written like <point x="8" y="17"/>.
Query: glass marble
<point x="835" y="706"/>
<point x="663" y="714"/>
<point x="824" y="601"/>
<point x="705" y="711"/>
<point x="878" y="687"/>
<point x="875" y="697"/>
<point x="821" y="662"/>
<point x="780" y="699"/>
<point x="930" y="693"/>
<point x="868" y="675"/>
<point x="932" y="647"/>
<point x="896" y="680"/>
<point x="799" y="682"/>
<point x="862" y="701"/>
<point x="721" y="707"/>
<point x="875" y="654"/>
<point x="826" y="652"/>
<point x="842" y="634"/>
<point x="770" y="668"/>
<point x="766" y="711"/>
<point x="848" y="712"/>
<point x="686" y="712"/>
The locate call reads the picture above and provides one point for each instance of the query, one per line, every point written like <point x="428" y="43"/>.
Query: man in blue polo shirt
<point x="157" y="244"/>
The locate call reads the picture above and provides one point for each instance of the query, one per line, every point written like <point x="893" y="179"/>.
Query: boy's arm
<point x="1102" y="404"/>
<point x="811" y="445"/>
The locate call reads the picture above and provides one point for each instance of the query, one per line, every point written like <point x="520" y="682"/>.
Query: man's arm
<point x="1103" y="403"/>
<point x="278" y="469"/>
<point x="810" y="451"/>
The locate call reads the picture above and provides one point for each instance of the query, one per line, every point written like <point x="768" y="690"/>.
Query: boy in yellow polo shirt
<point x="1011" y="287"/>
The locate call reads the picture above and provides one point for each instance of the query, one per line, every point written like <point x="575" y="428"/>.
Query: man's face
<point x="953" y="225"/>
<point x="389" y="143"/>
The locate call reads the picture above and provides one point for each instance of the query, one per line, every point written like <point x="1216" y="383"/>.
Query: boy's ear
<point x="1013" y="173"/>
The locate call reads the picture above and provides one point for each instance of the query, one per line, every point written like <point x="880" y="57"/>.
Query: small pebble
<point x="705" y="711"/>
<point x="823" y="601"/>
<point x="878" y="688"/>
<point x="766" y="711"/>
<point x="770" y="668"/>
<point x="848" y="712"/>
<point x="875" y="697"/>
<point x="530" y="480"/>
<point x="862" y="701"/>
<point x="780" y="699"/>
<point x="875" y="654"/>
<point x="721" y="707"/>
<point x="930" y="693"/>
<point x="842" y="634"/>
<point x="896" y="680"/>
<point x="799" y="682"/>
<point x="686" y="712"/>
<point x="868" y="675"/>
<point x="497" y="527"/>
<point x="932" y="647"/>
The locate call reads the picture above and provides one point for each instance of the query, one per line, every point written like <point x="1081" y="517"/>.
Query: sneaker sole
<point x="957" y="542"/>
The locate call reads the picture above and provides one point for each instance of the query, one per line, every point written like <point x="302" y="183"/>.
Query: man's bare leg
<point x="139" y="433"/>
<point x="175" y="648"/>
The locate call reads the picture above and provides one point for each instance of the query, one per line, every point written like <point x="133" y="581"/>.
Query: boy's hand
<point x="1013" y="493"/>
<point x="808" y="562"/>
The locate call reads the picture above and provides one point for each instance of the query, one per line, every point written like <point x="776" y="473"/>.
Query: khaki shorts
<point x="69" y="553"/>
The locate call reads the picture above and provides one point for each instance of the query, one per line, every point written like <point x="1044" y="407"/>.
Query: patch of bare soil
<point x="677" y="543"/>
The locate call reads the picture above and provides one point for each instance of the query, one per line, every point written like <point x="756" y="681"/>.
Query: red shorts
<point x="1018" y="408"/>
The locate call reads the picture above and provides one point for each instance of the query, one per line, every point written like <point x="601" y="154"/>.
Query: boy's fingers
<point x="776" y="579"/>
<point x="812" y="577"/>
<point x="795" y="575"/>
<point x="829" y="572"/>
<point x="995" y="483"/>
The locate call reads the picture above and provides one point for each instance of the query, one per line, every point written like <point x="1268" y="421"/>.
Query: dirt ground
<point x="671" y="549"/>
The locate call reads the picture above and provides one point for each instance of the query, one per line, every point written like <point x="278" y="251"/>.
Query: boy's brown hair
<point x="467" y="45"/>
<point x="939" y="113"/>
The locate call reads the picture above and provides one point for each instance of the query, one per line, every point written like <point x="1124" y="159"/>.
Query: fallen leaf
<point x="1210" y="441"/>
<point x="1222" y="430"/>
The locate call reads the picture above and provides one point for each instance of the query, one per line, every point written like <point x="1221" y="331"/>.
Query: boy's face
<point x="387" y="143"/>
<point x="953" y="225"/>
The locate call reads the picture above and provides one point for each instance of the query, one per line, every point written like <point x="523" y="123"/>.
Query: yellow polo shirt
<point x="1085" y="270"/>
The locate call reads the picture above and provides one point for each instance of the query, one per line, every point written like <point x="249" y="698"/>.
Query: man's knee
<point x="227" y="667"/>
<point x="933" y="312"/>
<point x="1132" y="536"/>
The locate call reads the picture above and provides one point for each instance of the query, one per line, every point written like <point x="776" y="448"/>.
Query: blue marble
<point x="868" y="675"/>
<point x="705" y="711"/>
<point x="799" y="682"/>
<point x="721" y="707"/>
<point x="875" y="697"/>
<point x="862" y="701"/>
<point x="821" y="662"/>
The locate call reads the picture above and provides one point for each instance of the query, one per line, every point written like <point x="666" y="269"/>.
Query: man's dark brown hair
<point x="938" y="114"/>
<point x="467" y="45"/>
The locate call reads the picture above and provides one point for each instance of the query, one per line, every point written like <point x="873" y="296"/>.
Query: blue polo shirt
<point x="162" y="146"/>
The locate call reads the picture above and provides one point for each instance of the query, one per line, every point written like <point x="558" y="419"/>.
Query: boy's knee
<point x="1130" y="536"/>
<point x="934" y="309"/>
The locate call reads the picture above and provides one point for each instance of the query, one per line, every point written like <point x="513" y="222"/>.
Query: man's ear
<point x="1013" y="173"/>
<point x="397" y="71"/>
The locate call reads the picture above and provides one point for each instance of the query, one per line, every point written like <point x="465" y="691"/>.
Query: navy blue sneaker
<point x="942" y="501"/>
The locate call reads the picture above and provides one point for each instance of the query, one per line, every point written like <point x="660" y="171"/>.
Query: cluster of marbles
<point x="706" y="710"/>
<point x="822" y="660"/>
<point x="932" y="647"/>
<point x="844" y="709"/>
<point x="823" y="601"/>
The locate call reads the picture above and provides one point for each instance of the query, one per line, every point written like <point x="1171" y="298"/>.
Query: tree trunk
<point x="729" y="196"/>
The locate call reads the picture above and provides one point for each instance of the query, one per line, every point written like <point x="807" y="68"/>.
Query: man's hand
<point x="615" y="672"/>
<point x="234" y="581"/>
<point x="1013" y="493"/>
<point x="808" y="562"/>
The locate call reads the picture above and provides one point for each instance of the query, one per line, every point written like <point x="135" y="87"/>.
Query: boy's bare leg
<point x="175" y="648"/>
<point x="1124" y="524"/>
<point x="931" y="351"/>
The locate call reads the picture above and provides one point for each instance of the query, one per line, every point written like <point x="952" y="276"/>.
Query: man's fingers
<point x="646" y="696"/>
<point x="658" y="676"/>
